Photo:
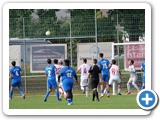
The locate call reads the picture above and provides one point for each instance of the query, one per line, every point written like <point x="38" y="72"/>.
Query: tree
<point x="20" y="13"/>
<point x="133" y="21"/>
<point x="16" y="21"/>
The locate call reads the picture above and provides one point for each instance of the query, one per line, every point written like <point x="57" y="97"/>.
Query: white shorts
<point x="114" y="79"/>
<point x="83" y="82"/>
<point x="132" y="79"/>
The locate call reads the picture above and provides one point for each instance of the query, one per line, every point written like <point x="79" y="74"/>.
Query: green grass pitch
<point x="79" y="102"/>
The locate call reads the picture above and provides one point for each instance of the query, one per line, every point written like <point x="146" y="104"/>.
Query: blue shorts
<point x="16" y="83"/>
<point x="105" y="78"/>
<point x="67" y="84"/>
<point x="52" y="84"/>
<point x="143" y="80"/>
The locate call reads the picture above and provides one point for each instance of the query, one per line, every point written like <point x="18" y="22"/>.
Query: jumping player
<point x="143" y="78"/>
<point x="63" y="93"/>
<point x="84" y="68"/>
<point x="115" y="76"/>
<point x="67" y="74"/>
<point x="51" y="80"/>
<point x="58" y="68"/>
<point x="15" y="75"/>
<point x="104" y="65"/>
<point x="133" y="77"/>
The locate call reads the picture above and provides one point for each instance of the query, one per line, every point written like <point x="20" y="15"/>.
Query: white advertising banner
<point x="15" y="55"/>
<point x="90" y="51"/>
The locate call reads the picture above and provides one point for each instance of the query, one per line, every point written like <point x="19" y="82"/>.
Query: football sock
<point x="96" y="94"/>
<point x="135" y="86"/>
<point x="47" y="94"/>
<point x="128" y="87"/>
<point x="93" y="96"/>
<point x="143" y="87"/>
<point x="119" y="90"/>
<point x="87" y="91"/>
<point x="11" y="93"/>
<point x="21" y="92"/>
<point x="57" y="94"/>
<point x="102" y="91"/>
<point x="69" y="100"/>
<point x="107" y="91"/>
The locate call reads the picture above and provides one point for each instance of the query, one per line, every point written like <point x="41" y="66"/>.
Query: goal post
<point x="131" y="50"/>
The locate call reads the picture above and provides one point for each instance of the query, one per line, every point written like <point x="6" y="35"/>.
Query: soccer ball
<point x="48" y="33"/>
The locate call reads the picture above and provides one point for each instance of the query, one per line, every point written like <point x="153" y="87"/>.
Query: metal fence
<point x="37" y="85"/>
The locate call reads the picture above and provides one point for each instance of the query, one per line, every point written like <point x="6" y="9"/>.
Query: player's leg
<point x="85" y="85"/>
<point x="134" y="83"/>
<point x="110" y="83"/>
<point x="107" y="85"/>
<point x="19" y="85"/>
<point x="49" y="90"/>
<point x="94" y="87"/>
<point x="11" y="92"/>
<point x="119" y="87"/>
<point x="128" y="86"/>
<point x="13" y="84"/>
<point x="101" y="86"/>
<point x="55" y="86"/>
<point x="143" y="82"/>
<point x="87" y="90"/>
<point x="71" y="88"/>
<point x="61" y="91"/>
<point x="82" y="87"/>
<point x="70" y="94"/>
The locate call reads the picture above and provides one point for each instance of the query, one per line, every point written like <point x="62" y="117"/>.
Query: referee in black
<point x="94" y="74"/>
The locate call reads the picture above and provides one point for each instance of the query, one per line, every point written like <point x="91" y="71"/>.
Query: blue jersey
<point x="143" y="67"/>
<point x="67" y="73"/>
<point x="16" y="73"/>
<point x="104" y="66"/>
<point x="50" y="71"/>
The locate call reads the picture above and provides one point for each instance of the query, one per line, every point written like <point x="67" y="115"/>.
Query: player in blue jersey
<point x="68" y="74"/>
<point x="104" y="65"/>
<point x="51" y="80"/>
<point x="15" y="75"/>
<point x="143" y="78"/>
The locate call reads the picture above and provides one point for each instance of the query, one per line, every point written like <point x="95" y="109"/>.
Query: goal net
<point x="122" y="52"/>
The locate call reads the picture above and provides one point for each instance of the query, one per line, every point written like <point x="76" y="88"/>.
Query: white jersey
<point x="114" y="71"/>
<point x="58" y="68"/>
<point x="61" y="66"/>
<point x="132" y="71"/>
<point x="84" y="68"/>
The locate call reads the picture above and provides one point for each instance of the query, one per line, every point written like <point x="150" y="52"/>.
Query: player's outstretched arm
<point x="22" y="73"/>
<point x="76" y="80"/>
<point x="89" y="74"/>
<point x="10" y="76"/>
<point x="120" y="75"/>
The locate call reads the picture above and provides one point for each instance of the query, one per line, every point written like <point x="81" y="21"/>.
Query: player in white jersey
<point x="61" y="86"/>
<point x="133" y="77"/>
<point x="115" y="76"/>
<point x="84" y="68"/>
<point x="58" y="68"/>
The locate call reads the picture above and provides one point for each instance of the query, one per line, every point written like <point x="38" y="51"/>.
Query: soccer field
<point x="79" y="102"/>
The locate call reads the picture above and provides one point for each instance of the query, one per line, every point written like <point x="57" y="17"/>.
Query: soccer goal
<point x="122" y="52"/>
